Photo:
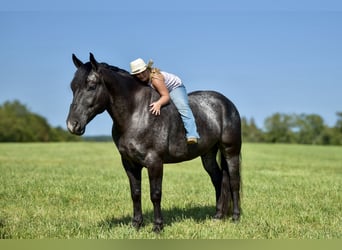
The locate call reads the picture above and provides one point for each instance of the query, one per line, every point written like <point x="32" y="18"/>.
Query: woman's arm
<point x="158" y="83"/>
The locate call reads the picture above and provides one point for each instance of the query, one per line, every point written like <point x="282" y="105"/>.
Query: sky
<point x="266" y="56"/>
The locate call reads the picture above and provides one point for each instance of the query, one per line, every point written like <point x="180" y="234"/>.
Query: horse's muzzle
<point x="75" y="127"/>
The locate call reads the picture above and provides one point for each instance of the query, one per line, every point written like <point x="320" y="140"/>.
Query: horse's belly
<point x="184" y="152"/>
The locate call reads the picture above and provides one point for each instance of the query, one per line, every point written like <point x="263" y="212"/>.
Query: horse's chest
<point x="129" y="149"/>
<point x="137" y="151"/>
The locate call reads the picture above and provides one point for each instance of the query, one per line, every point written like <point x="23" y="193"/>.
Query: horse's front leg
<point x="133" y="172"/>
<point x="155" y="173"/>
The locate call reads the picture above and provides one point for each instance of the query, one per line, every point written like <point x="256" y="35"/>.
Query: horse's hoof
<point x="157" y="228"/>
<point x="218" y="216"/>
<point x="236" y="218"/>
<point x="137" y="224"/>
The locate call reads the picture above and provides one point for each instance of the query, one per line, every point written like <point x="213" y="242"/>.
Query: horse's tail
<point x="226" y="186"/>
<point x="226" y="194"/>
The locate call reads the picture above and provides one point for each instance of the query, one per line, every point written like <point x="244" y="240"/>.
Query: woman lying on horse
<point x="168" y="86"/>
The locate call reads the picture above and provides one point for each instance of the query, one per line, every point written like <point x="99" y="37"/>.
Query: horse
<point x="148" y="141"/>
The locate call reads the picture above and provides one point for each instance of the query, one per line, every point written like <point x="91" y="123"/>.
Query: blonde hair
<point x="154" y="72"/>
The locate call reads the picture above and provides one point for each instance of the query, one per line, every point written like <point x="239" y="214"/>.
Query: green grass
<point x="80" y="190"/>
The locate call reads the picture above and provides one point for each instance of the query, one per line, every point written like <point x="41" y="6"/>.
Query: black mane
<point x="114" y="68"/>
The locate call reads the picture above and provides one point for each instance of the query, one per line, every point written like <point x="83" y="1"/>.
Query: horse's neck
<point x="127" y="97"/>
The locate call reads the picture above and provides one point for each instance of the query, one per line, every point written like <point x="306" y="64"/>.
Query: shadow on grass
<point x="172" y="215"/>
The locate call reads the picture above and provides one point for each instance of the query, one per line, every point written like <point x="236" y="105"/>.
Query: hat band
<point x="139" y="70"/>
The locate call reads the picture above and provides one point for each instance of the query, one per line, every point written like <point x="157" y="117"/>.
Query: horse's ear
<point x="78" y="63"/>
<point x="93" y="62"/>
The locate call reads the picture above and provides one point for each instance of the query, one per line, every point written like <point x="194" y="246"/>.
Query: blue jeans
<point x="179" y="97"/>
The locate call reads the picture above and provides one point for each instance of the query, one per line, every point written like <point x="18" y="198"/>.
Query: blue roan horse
<point x="145" y="140"/>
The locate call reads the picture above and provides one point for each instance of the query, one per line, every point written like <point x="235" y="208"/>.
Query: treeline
<point x="18" y="124"/>
<point x="294" y="128"/>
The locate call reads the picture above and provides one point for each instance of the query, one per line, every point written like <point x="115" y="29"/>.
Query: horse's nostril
<point x="72" y="126"/>
<point x="75" y="127"/>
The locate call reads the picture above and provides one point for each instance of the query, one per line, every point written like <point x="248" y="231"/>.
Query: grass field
<point x="80" y="190"/>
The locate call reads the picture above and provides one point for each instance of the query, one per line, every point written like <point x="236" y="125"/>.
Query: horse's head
<point x="90" y="95"/>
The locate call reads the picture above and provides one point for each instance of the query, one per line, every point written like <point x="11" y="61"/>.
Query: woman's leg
<point x="179" y="97"/>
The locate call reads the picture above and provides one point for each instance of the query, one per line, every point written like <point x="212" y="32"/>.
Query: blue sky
<point x="266" y="56"/>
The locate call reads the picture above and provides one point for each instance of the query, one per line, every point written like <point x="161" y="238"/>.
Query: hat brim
<point x="139" y="71"/>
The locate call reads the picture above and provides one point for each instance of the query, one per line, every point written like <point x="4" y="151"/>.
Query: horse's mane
<point x="115" y="69"/>
<point x="122" y="72"/>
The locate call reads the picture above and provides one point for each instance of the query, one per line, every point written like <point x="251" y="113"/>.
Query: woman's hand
<point x="155" y="108"/>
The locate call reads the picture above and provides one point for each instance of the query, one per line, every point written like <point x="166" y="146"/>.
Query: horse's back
<point x="218" y="123"/>
<point x="211" y="100"/>
<point x="218" y="120"/>
<point x="215" y="110"/>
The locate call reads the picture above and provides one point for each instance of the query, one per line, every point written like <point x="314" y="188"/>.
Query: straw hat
<point x="138" y="66"/>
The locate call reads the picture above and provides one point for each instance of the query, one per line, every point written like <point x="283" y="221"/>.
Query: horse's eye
<point x="91" y="87"/>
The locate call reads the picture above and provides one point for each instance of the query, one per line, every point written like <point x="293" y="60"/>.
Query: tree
<point x="338" y="125"/>
<point x="18" y="124"/>
<point x="279" y="128"/>
<point x="14" y="120"/>
<point x="310" y="129"/>
<point x="250" y="131"/>
<point x="293" y="128"/>
<point x="335" y="135"/>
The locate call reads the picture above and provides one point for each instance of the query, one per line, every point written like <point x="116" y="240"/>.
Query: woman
<point x="168" y="86"/>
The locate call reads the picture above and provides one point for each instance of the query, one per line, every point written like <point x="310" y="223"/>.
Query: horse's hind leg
<point x="231" y="162"/>
<point x="210" y="165"/>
